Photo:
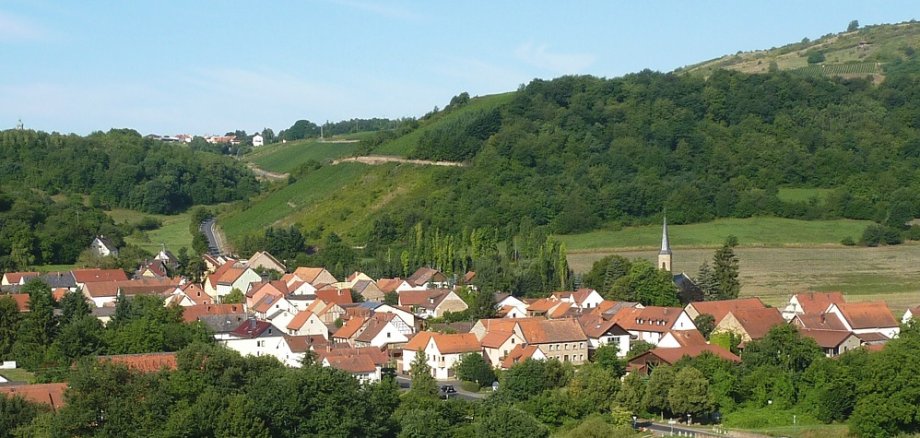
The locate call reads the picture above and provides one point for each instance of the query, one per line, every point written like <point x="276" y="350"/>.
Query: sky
<point x="209" y="67"/>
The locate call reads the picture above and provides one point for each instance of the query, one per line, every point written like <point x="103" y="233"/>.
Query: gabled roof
<point x="914" y="312"/>
<point x="419" y="341"/>
<point x="610" y="308"/>
<point x="22" y="301"/>
<point x="350" y="328"/>
<point x="266" y="255"/>
<point x="389" y="284"/>
<point x="106" y="242"/>
<point x="95" y="274"/>
<point x="539" y="331"/>
<point x="299" y="320"/>
<point x="495" y="338"/>
<point x="99" y="289"/>
<point x="687" y="338"/>
<point x="518" y="354"/>
<point x="309" y="274"/>
<point x="596" y="325"/>
<point x="869" y="314"/>
<point x="718" y="309"/>
<point x="196" y="293"/>
<point x="196" y="312"/>
<point x="817" y="302"/>
<point x="648" y="319"/>
<point x="265" y="303"/>
<point x="559" y="311"/>
<point x="424" y="275"/>
<point x="147" y="362"/>
<point x="429" y="299"/>
<point x="673" y="355"/>
<point x="757" y="322"/>
<point x="51" y="394"/>
<point x="352" y="364"/>
<point x="57" y="279"/>
<point x="826" y="338"/>
<point x="374" y="326"/>
<point x="253" y="328"/>
<point x="302" y="344"/>
<point x="456" y="343"/>
<point x="542" y="305"/>
<point x="819" y="321"/>
<point x="333" y="295"/>
<point x="16" y="277"/>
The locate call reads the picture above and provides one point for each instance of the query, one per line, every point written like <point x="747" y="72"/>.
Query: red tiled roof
<point x="424" y="275"/>
<point x="871" y="314"/>
<point x="192" y="313"/>
<point x="419" y="341"/>
<point x="718" y="309"/>
<point x="350" y="328"/>
<point x="374" y="326"/>
<point x="456" y="343"/>
<point x="352" y="364"/>
<point x="495" y="338"/>
<point x="817" y="302"/>
<point x="672" y="355"/>
<point x="539" y="331"/>
<point x="253" y="329"/>
<point x="648" y="319"/>
<point x="302" y="344"/>
<point x="95" y="274"/>
<point x="518" y="354"/>
<point x="335" y="296"/>
<point x="147" y="363"/>
<point x="687" y="338"/>
<point x="299" y="320"/>
<point x="196" y="293"/>
<point x="757" y="322"/>
<point x="826" y="338"/>
<point x="388" y="284"/>
<point x="21" y="300"/>
<point x="819" y="321"/>
<point x="16" y="277"/>
<point x="51" y="394"/>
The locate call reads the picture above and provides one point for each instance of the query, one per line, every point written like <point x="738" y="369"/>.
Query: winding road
<point x="215" y="242"/>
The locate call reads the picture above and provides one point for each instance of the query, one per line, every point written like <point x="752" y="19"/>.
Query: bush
<point x="148" y="223"/>
<point x="848" y="241"/>
<point x="913" y="233"/>
<point x="816" y="58"/>
<point x="876" y="234"/>
<point x="469" y="386"/>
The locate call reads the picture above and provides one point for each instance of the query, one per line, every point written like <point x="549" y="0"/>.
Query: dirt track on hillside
<point x="383" y="159"/>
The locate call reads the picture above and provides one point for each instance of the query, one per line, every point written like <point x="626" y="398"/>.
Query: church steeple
<point x="664" y="256"/>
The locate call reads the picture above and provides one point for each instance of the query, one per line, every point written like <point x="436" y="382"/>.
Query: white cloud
<point x="13" y="28"/>
<point x="561" y="63"/>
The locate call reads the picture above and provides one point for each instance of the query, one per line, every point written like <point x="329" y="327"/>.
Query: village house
<point x="750" y="324"/>
<point x="384" y="330"/>
<point x="307" y="324"/>
<point x="103" y="247"/>
<point x="152" y="269"/>
<point x="441" y="351"/>
<point x="832" y="342"/>
<point x="603" y="330"/>
<point x="92" y="275"/>
<point x="811" y="303"/>
<point x="911" y="313"/>
<point x="48" y="394"/>
<point x="651" y="323"/>
<point x="550" y="309"/>
<point x="254" y="338"/>
<point x="509" y="306"/>
<point x="521" y="353"/>
<point x="264" y="261"/>
<point x="294" y="349"/>
<point x="428" y="278"/>
<point x="871" y="321"/>
<point x="561" y="339"/>
<point x="498" y="344"/>
<point x="377" y="307"/>
<point x="645" y="363"/>
<point x="432" y="303"/>
<point x="18" y="278"/>
<point x="347" y="333"/>
<point x="681" y="338"/>
<point x="220" y="319"/>
<point x="315" y="276"/>
<point x="368" y="289"/>
<point x="228" y="277"/>
<point x="189" y="294"/>
<point x="718" y="309"/>
<point x="327" y="312"/>
<point x="356" y="361"/>
<point x="105" y="293"/>
<point x="277" y="310"/>
<point x="580" y="299"/>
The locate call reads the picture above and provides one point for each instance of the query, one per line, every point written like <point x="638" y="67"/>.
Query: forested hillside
<point x="577" y="152"/>
<point x="121" y="169"/>
<point x="54" y="187"/>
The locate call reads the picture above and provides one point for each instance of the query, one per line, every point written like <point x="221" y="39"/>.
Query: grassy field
<point x="811" y="431"/>
<point x="174" y="233"/>
<point x="760" y="231"/>
<point x="18" y="375"/>
<point x="285" y="157"/>
<point x="405" y="145"/>
<point x="802" y="195"/>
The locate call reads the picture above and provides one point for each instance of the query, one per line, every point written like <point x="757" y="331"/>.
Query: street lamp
<point x="634" y="421"/>
<point x="689" y="420"/>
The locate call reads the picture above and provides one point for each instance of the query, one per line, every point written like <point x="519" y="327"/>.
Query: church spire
<point x="664" y="256"/>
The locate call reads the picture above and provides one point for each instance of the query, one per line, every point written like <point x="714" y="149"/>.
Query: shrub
<point x="469" y="386"/>
<point x="848" y="241"/>
<point x="816" y="57"/>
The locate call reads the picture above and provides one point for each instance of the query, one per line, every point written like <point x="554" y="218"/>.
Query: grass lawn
<point x="18" y="375"/>
<point x="405" y="145"/>
<point x="174" y="233"/>
<point x="802" y="195"/>
<point x="285" y="157"/>
<point x="811" y="431"/>
<point x="759" y="231"/>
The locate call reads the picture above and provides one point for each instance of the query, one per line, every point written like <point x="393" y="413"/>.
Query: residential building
<point x="432" y="302"/>
<point x="441" y="351"/>
<point x="811" y="303"/>
<point x="750" y="324"/>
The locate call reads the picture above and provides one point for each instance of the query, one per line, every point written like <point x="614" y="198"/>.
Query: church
<point x="687" y="290"/>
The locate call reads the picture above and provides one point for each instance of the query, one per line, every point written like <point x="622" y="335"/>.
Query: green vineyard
<point x="858" y="68"/>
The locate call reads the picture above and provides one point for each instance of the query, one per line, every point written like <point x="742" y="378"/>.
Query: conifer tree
<point x="725" y="270"/>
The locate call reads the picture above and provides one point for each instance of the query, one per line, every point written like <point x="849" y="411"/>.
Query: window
<point x="566" y="346"/>
<point x="388" y="335"/>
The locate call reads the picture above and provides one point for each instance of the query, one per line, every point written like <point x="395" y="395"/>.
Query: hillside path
<point x="382" y="159"/>
<point x="264" y="174"/>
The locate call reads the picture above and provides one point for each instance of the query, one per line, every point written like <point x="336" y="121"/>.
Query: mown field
<point x="759" y="231"/>
<point x="890" y="273"/>
<point x="285" y="157"/>
<point x="174" y="233"/>
<point x="405" y="145"/>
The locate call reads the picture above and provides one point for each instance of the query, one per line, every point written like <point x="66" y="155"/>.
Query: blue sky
<point x="208" y="67"/>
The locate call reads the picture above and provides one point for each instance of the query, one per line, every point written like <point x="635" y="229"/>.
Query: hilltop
<point x="860" y="53"/>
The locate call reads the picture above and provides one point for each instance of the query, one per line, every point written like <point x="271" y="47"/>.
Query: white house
<point x="497" y="345"/>
<point x="307" y="323"/>
<point x="911" y="313"/>
<point x="602" y="330"/>
<point x="811" y="303"/>
<point x="383" y="329"/>
<point x="442" y="351"/>
<point x="511" y="307"/>
<point x="650" y="324"/>
<point x="581" y="299"/>
<point x="866" y="318"/>
<point x="103" y="247"/>
<point x="255" y="338"/>
<point x="257" y="140"/>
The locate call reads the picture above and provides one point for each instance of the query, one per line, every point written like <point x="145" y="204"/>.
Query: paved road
<point x="214" y="243"/>
<point x="404" y="383"/>
<point x="663" y="429"/>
